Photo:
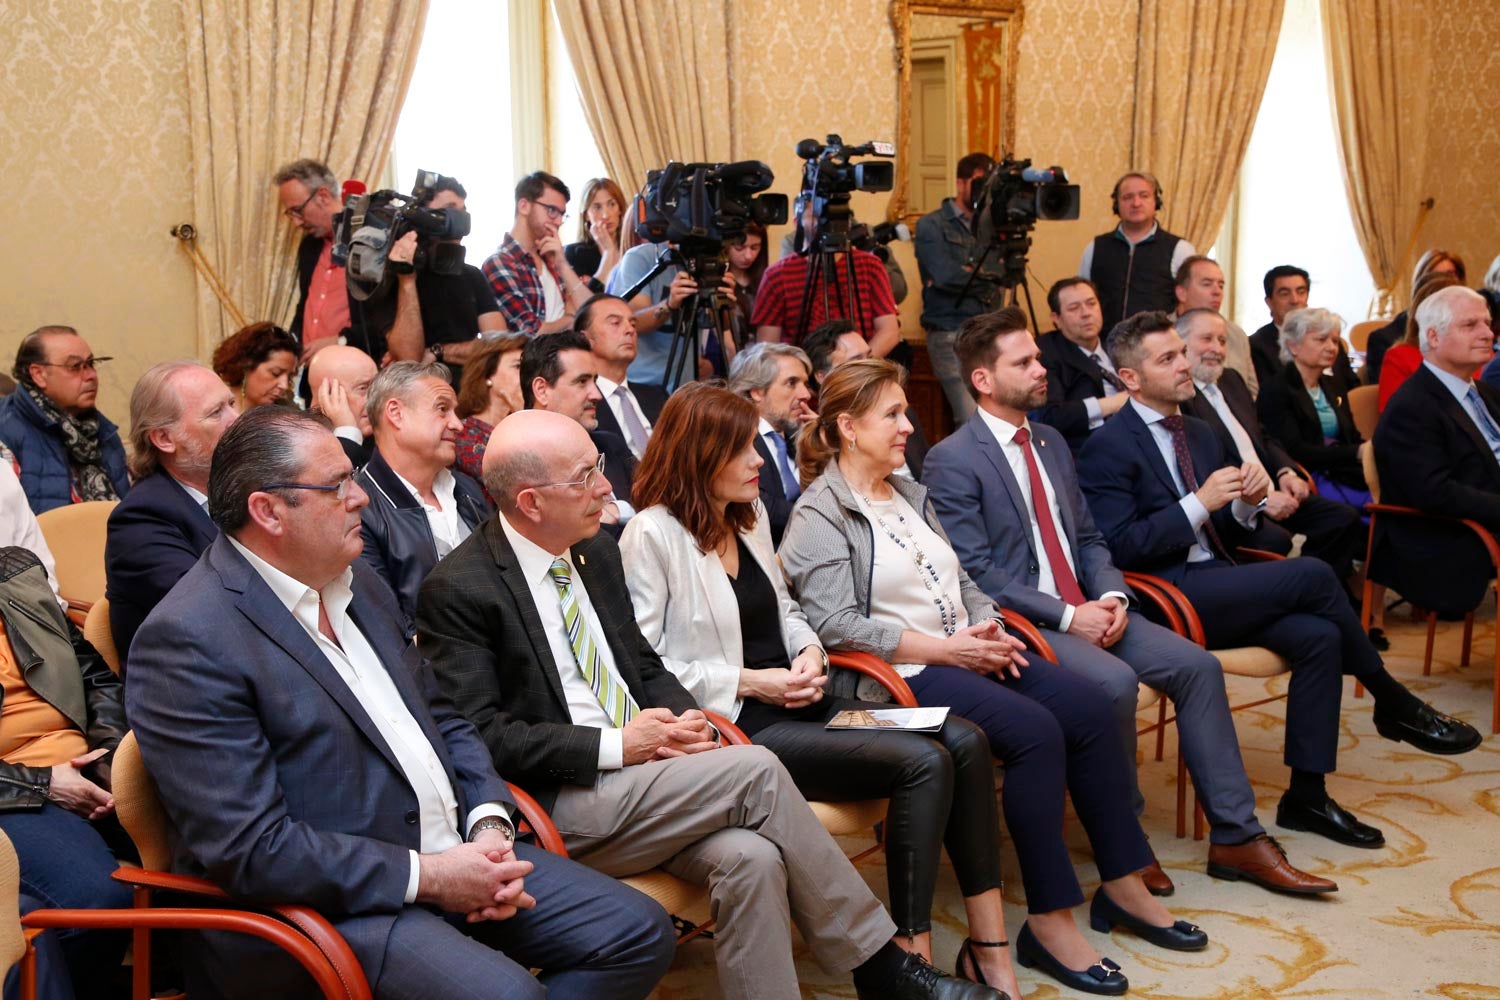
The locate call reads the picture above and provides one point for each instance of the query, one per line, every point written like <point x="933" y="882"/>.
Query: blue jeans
<point x="945" y="367"/>
<point x="66" y="864"/>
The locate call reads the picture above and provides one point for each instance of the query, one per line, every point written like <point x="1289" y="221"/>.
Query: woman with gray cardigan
<point x="711" y="600"/>
<point x="869" y="564"/>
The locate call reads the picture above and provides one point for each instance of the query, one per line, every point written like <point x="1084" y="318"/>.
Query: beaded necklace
<point x="926" y="572"/>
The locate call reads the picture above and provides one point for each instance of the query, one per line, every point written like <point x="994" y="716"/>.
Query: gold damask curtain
<point x="1379" y="72"/>
<point x="1201" y="68"/>
<point x="654" y="78"/>
<point x="271" y="81"/>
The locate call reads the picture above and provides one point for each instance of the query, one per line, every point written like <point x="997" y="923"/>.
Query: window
<point x="1292" y="204"/>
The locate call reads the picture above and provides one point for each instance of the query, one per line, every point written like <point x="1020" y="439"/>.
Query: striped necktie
<point x="613" y="696"/>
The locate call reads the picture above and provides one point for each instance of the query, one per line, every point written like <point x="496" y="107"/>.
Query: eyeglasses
<point x="339" y="489"/>
<point x="76" y="367"/>
<point x="296" y="213"/>
<point x="587" y="482"/>
<point x="553" y="212"/>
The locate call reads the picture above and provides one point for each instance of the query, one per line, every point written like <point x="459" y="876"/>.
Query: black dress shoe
<point x="1103" y="977"/>
<point x="1105" y="914"/>
<point x="1428" y="729"/>
<point x="1378" y="638"/>
<point x="1327" y="819"/>
<point x="918" y="980"/>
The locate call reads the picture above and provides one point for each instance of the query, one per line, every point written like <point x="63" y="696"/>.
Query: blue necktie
<point x="789" y="484"/>
<point x="1482" y="417"/>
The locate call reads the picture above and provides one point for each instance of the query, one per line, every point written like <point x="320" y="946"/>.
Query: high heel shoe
<point x="1103" y="977"/>
<point x="1105" y="913"/>
<point x="966" y="951"/>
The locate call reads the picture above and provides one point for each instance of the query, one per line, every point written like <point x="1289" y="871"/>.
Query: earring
<point x="489" y="381"/>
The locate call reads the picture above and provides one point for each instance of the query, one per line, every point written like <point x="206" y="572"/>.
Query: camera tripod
<point x="697" y="327"/>
<point x="1010" y="245"/>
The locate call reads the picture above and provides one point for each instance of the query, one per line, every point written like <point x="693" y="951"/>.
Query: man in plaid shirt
<point x="536" y="289"/>
<point x="778" y="303"/>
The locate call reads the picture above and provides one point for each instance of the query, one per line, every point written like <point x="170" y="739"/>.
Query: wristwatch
<point x="505" y="826"/>
<point x="437" y="351"/>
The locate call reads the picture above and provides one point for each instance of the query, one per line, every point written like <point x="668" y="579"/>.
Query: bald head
<point x="353" y="370"/>
<point x="524" y="447"/>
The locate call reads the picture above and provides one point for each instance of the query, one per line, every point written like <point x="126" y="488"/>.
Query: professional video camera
<point x="829" y="178"/>
<point x="370" y="224"/>
<point x="698" y="207"/>
<point x="1012" y="198"/>
<point x="877" y="239"/>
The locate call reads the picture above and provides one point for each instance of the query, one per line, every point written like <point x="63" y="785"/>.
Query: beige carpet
<point x="1418" y="918"/>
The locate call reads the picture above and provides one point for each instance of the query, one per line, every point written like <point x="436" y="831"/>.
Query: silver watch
<point x="500" y="823"/>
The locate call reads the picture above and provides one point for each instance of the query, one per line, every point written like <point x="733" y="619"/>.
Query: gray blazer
<point x="827" y="554"/>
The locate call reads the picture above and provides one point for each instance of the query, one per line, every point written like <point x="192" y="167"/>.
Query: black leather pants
<point x="941" y="789"/>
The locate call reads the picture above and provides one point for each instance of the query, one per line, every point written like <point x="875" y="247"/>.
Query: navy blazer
<point x="397" y="536"/>
<point x="154" y="537"/>
<point x="984" y="512"/>
<point x="651" y="397"/>
<point x="1072" y="377"/>
<point x="276" y="783"/>
<point x="1134" y="500"/>
<point x="772" y="492"/>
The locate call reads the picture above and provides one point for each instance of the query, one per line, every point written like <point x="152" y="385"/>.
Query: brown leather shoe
<point x="1158" y="882"/>
<point x="1263" y="861"/>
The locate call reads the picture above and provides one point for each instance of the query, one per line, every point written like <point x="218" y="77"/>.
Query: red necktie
<point x="1062" y="574"/>
<point x="1178" y="429"/>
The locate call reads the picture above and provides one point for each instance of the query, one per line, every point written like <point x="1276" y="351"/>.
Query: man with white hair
<point x="774" y="377"/>
<point x="178" y="412"/>
<point x="1437" y="448"/>
<point x="420" y="508"/>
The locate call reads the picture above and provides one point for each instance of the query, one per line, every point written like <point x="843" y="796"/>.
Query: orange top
<point x="32" y="732"/>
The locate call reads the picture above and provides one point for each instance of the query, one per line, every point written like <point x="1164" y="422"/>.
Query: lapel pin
<point x="582" y="561"/>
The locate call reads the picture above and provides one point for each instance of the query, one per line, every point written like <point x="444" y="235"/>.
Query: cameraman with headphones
<point x="1134" y="265"/>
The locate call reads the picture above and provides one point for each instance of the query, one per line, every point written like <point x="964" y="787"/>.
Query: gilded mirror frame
<point x="1009" y="11"/>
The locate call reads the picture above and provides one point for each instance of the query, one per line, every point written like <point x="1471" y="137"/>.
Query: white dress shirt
<point x="360" y="668"/>
<point x="583" y="706"/>
<point x="1197" y="514"/>
<point x="609" y="389"/>
<point x="199" y="498"/>
<point x="448" y="529"/>
<point x="1005" y="436"/>
<point x="1091" y="404"/>
<point x="1242" y="443"/>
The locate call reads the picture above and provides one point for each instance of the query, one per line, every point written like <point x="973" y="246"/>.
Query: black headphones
<point x="1114" y="196"/>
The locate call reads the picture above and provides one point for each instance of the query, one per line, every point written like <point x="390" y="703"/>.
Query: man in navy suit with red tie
<point x="1162" y="492"/>
<point x="1007" y="493"/>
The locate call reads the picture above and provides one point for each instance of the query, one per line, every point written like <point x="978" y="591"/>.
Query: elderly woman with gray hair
<point x="1305" y="407"/>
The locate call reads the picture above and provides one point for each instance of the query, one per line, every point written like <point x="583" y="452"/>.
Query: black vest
<point x="1133" y="279"/>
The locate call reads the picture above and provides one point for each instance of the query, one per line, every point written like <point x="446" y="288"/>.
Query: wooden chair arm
<point x="536" y="818"/>
<point x="1029" y="633"/>
<point x="729" y="733"/>
<point x="1485" y="536"/>
<point x="1257" y="555"/>
<point x="1190" y="620"/>
<point x="310" y="922"/>
<point x="873" y="666"/>
<point x="335" y="984"/>
<point x="1146" y="587"/>
<point x="1301" y="470"/>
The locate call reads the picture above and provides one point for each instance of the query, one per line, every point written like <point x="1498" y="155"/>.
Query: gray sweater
<point x="827" y="553"/>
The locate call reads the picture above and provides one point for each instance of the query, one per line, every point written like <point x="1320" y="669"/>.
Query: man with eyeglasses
<point x="536" y="288"/>
<point x="309" y="195"/>
<point x="303" y="755"/>
<point x="65" y="450"/>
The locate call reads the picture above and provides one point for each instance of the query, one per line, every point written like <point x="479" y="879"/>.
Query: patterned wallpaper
<point x="93" y="107"/>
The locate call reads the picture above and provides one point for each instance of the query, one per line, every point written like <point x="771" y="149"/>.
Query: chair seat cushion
<point x="1250" y="661"/>
<point x="679" y="898"/>
<point x="845" y="819"/>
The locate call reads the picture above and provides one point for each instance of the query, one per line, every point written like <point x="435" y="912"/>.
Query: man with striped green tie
<point x="530" y="631"/>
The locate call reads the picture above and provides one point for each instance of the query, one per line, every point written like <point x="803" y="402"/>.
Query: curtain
<point x="1379" y="73"/>
<point x="271" y="81"/>
<point x="654" y="79"/>
<point x="1201" y="68"/>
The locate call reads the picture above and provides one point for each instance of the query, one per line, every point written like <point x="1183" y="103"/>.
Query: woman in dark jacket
<point x="1307" y="411"/>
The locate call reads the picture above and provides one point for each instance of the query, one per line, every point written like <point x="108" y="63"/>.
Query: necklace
<point x="926" y="571"/>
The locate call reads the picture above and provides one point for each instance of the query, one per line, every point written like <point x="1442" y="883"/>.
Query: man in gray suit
<point x="303" y="755"/>
<point x="1045" y="559"/>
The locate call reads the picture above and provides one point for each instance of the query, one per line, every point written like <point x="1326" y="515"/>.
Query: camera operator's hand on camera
<point x="683" y="286"/>
<point x="404" y="250"/>
<point x="727" y="288"/>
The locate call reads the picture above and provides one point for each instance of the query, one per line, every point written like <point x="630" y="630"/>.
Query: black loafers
<point x="1327" y="819"/>
<point x="1103" y="977"/>
<point x="1430" y="730"/>
<point x="1105" y="914"/>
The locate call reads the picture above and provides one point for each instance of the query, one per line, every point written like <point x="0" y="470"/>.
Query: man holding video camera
<point x="433" y="311"/>
<point x="309" y="196"/>
<point x="945" y="246"/>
